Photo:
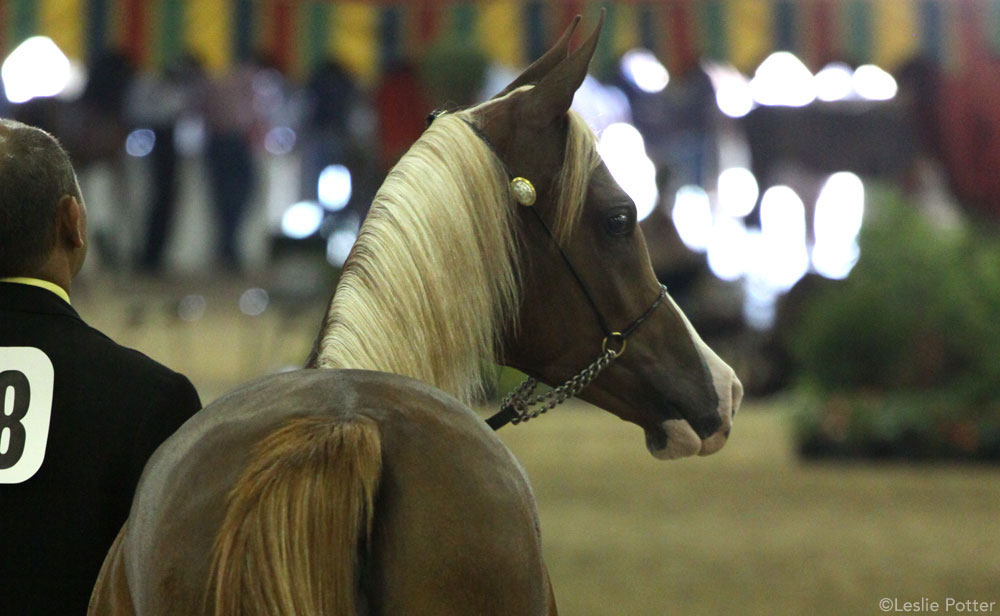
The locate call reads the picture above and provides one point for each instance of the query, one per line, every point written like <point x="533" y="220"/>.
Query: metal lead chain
<point x="521" y="399"/>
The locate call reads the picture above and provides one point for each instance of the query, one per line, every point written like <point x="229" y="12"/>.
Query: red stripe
<point x="135" y="33"/>
<point x="972" y="46"/>
<point x="283" y="35"/>
<point x="821" y="26"/>
<point x="680" y="50"/>
<point x="428" y="21"/>
<point x="561" y="19"/>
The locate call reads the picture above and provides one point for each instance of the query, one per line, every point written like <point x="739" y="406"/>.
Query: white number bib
<point x="26" y="384"/>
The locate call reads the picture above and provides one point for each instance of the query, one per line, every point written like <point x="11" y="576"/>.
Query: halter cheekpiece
<point x="517" y="406"/>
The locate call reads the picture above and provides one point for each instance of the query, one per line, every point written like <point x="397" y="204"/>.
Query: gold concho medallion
<point x="524" y="191"/>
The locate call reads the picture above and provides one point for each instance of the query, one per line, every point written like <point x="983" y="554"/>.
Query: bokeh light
<point x="624" y="152"/>
<point x="692" y="216"/>
<point x="302" y="220"/>
<point x="641" y="67"/>
<point x="36" y="68"/>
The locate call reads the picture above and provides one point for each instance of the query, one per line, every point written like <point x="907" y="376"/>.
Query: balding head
<point x="35" y="177"/>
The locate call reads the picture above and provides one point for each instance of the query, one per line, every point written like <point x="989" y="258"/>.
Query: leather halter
<point x="514" y="408"/>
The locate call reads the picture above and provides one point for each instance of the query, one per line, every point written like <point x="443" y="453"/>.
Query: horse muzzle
<point x="681" y="438"/>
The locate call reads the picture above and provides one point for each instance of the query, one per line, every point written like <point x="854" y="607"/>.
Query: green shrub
<point x="906" y="351"/>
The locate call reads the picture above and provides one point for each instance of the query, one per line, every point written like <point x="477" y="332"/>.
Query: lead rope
<point x="516" y="406"/>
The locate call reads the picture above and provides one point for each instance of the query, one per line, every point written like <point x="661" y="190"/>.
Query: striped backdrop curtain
<point x="368" y="35"/>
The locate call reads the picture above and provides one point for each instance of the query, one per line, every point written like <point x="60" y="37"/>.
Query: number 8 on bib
<point x="26" y="384"/>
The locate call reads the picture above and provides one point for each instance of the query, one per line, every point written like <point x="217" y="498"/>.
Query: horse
<point x="364" y="483"/>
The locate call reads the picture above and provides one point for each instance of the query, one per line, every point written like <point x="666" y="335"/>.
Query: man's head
<point x="42" y="216"/>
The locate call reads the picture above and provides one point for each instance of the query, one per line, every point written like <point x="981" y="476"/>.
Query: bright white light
<point x="76" y="83"/>
<point x="692" y="215"/>
<point x="835" y="261"/>
<point x="302" y="220"/>
<point x="834" y="82"/>
<point x="643" y="69"/>
<point x="727" y="249"/>
<point x="37" y="67"/>
<point x="873" y="83"/>
<point x="140" y="142"/>
<point x="840" y="208"/>
<point x="735" y="99"/>
<point x="280" y="140"/>
<point x="738" y="192"/>
<point x="836" y="223"/>
<point x="784" y="259"/>
<point x="334" y="188"/>
<point x="338" y="247"/>
<point x="624" y="152"/>
<point x="732" y="89"/>
<point x="782" y="79"/>
<point x="782" y="215"/>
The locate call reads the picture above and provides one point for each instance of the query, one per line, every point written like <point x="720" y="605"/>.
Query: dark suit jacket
<point x="111" y="407"/>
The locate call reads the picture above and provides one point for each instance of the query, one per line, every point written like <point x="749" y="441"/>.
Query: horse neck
<point x="431" y="283"/>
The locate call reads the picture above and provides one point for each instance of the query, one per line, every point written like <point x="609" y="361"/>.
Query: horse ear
<point x="553" y="95"/>
<point x="541" y="67"/>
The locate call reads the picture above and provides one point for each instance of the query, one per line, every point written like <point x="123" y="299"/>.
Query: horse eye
<point x="617" y="223"/>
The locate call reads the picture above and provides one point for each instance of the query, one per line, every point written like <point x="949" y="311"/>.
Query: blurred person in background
<point x="230" y="121"/>
<point x="331" y="97"/>
<point x="81" y="414"/>
<point x="156" y="102"/>
<point x="97" y="141"/>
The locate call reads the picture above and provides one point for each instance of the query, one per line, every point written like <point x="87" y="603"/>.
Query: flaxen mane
<point x="427" y="292"/>
<point x="432" y="282"/>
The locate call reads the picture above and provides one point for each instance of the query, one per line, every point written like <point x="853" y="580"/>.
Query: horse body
<point x="455" y="528"/>
<point x="365" y="484"/>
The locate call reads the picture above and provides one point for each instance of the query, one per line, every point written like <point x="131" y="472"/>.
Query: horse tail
<point x="298" y="520"/>
<point x="110" y="596"/>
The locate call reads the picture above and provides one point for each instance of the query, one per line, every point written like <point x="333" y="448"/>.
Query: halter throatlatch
<point x="517" y="406"/>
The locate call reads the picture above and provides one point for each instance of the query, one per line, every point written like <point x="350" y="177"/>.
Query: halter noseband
<point x="517" y="405"/>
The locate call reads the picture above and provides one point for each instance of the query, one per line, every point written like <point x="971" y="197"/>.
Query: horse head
<point x="584" y="266"/>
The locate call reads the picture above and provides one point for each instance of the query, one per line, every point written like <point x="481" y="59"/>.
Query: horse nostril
<point x="726" y="433"/>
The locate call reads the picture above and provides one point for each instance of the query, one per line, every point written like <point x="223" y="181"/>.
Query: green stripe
<point x="462" y="20"/>
<point x="992" y="25"/>
<point x="6" y="36"/>
<point x="171" y="27"/>
<point x="603" y="64"/>
<point x="25" y="20"/>
<point x="713" y="20"/>
<point x="317" y="33"/>
<point x="858" y="24"/>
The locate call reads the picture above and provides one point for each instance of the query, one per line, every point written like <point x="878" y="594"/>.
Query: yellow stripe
<point x="208" y="31"/>
<point x="62" y="21"/>
<point x="749" y="23"/>
<point x="895" y="32"/>
<point x="626" y="32"/>
<point x="499" y="30"/>
<point x="354" y="39"/>
<point x="42" y="284"/>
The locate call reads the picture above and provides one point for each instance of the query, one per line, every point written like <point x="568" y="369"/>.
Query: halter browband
<point x="515" y="407"/>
